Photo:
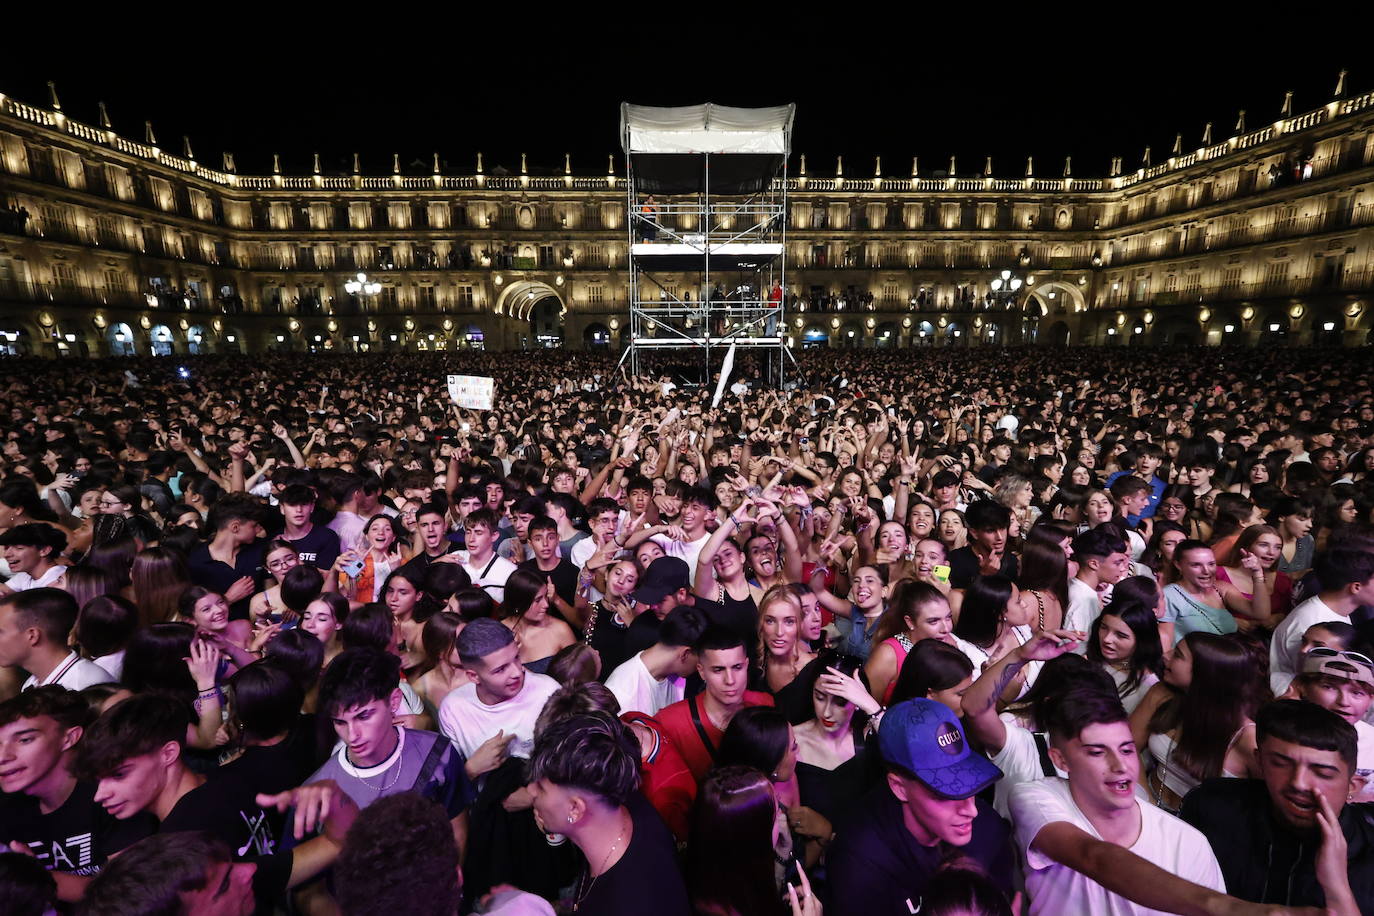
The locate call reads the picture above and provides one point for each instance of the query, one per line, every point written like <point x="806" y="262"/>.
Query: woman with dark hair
<point x="1292" y="518"/>
<point x="1043" y="576"/>
<point x="1125" y="642"/>
<point x="382" y="549"/>
<point x="324" y="618"/>
<point x="103" y="629"/>
<point x="995" y="618"/>
<point x="731" y="866"/>
<point x="411" y="605"/>
<point x="1251" y="473"/>
<point x="86" y="582"/>
<point x="1198" y="722"/>
<point x="208" y="611"/>
<point x="917" y="611"/>
<point x="764" y="740"/>
<point x="159" y="577"/>
<point x="962" y="888"/>
<point x="443" y="672"/>
<point x="1336" y="509"/>
<point x="934" y="670"/>
<point x="539" y="636"/>
<point x="832" y="768"/>
<point x="279" y="559"/>
<point x="127" y="501"/>
<point x="1159" y="552"/>
<point x="168" y="658"/>
<point x="301" y="656"/>
<point x="1177" y="504"/>
<point x="276" y="744"/>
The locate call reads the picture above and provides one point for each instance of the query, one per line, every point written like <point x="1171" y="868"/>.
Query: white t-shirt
<point x="1364" y="755"/>
<point x="1019" y="761"/>
<point x="74" y="673"/>
<point x="21" y="582"/>
<point x="639" y="691"/>
<point x="467" y="721"/>
<point x="1284" y="649"/>
<point x="1164" y="840"/>
<point x="490" y="576"/>
<point x="1131" y="700"/>
<point x="1085" y="606"/>
<point x="688" y="550"/>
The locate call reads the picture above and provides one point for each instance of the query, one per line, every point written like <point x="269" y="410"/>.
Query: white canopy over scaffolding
<point x="706" y="129"/>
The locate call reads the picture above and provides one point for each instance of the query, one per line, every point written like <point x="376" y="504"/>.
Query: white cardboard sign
<point x="472" y="391"/>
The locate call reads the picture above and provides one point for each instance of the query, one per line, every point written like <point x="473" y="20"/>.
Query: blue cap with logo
<point x="924" y="738"/>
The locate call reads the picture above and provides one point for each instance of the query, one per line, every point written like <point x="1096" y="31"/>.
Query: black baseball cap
<point x="663" y="577"/>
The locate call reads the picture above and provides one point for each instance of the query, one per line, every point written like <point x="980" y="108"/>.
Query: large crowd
<point x="981" y="631"/>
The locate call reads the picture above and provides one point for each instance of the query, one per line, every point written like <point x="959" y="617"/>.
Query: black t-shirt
<point x="78" y="837"/>
<point x="563" y="576"/>
<point x="646" y="879"/>
<point x="643" y="633"/>
<point x="282" y="766"/>
<point x="217" y="576"/>
<point x="877" y="867"/>
<point x="225" y="806"/>
<point x="964" y="566"/>
<point x="319" y="548"/>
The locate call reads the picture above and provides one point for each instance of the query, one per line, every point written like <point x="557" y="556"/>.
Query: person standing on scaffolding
<point x="648" y="220"/>
<point x="774" y="308"/>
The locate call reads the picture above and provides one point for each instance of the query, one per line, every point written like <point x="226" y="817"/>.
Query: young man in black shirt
<point x="895" y="839"/>
<point x="316" y="544"/>
<point x="45" y="810"/>
<point x="986" y="553"/>
<point x="1275" y="838"/>
<point x="135" y="752"/>
<point x="542" y="532"/>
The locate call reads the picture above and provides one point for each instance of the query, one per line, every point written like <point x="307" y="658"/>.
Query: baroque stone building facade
<point x="112" y="246"/>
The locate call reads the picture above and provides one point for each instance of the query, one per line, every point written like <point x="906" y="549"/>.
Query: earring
<point x="570" y="818"/>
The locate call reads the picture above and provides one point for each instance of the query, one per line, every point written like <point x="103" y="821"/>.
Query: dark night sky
<point x="894" y="87"/>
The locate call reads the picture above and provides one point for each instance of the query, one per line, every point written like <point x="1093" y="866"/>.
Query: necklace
<point x="584" y="891"/>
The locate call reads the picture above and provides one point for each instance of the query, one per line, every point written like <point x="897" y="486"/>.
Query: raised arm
<point x="980" y="700"/>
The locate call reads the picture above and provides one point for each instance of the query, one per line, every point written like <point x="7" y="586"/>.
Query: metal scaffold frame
<point x="706" y="199"/>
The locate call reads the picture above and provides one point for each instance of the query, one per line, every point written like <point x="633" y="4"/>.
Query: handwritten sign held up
<point x="474" y="392"/>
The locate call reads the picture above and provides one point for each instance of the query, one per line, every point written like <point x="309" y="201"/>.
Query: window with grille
<point x="424" y="297"/>
<point x="465" y="296"/>
<point x="63" y="274"/>
<point x="891" y="293"/>
<point x="114" y="279"/>
<point x="595" y="292"/>
<point x="1231" y="277"/>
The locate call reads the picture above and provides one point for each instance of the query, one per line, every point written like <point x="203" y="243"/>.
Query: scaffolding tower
<point x="706" y="193"/>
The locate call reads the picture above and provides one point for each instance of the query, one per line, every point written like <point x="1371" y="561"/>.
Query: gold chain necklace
<point x="583" y="892"/>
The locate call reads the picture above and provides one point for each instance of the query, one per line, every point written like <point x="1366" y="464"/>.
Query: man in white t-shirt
<point x="493" y="717"/>
<point x="34" y="627"/>
<point x="487" y="571"/>
<point x="1102" y="558"/>
<point x="1343" y="682"/>
<point x="1347" y="581"/>
<point x="1089" y="843"/>
<point x="656" y="677"/>
<point x="688" y="536"/>
<point x="32" y="552"/>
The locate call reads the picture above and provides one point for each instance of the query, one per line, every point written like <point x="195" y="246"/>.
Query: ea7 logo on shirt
<point x="260" y="842"/>
<point x="949" y="739"/>
<point x="70" y="855"/>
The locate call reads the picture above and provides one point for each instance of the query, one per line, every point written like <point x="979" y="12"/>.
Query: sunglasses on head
<point x="1342" y="654"/>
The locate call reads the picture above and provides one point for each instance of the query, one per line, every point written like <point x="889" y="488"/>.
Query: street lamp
<point x="1005" y="288"/>
<point x="361" y="286"/>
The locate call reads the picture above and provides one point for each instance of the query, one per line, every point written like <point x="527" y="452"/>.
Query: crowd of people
<point x="982" y="631"/>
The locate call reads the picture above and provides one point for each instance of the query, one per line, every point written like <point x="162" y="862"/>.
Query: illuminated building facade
<point x="112" y="246"/>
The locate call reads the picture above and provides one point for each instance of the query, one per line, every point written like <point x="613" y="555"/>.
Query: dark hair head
<point x="133" y="727"/>
<point x="266" y="700"/>
<point x="480" y="638"/>
<point x="299" y="653"/>
<point x="985" y="604"/>
<point x="150" y="877"/>
<point x="1308" y="725"/>
<point x="105" y="625"/>
<point x="473" y="603"/>
<point x="26" y="887"/>
<point x="369" y="627"/>
<point x="86" y="582"/>
<point x="64" y="706"/>
<point x="440" y="634"/>
<point x="443" y="580"/>
<point x="757" y="737"/>
<point x="682" y="627"/>
<point x="1137" y="590"/>
<point x="233" y="508"/>
<point x="594" y="752"/>
<point x="1077" y="708"/>
<point x="541" y="523"/>
<point x="909" y="597"/>
<point x="400" y="856"/>
<point x="301" y="585"/>
<point x="961" y="888"/>
<point x="1341" y="567"/>
<point x="930" y="665"/>
<point x="1058" y="675"/>
<point x="718" y="638"/>
<point x="575" y="664"/>
<point x="153" y="660"/>
<point x="1100" y="542"/>
<point x="49" y="610"/>
<point x="576" y="700"/>
<point x="1139" y="618"/>
<point x="987" y="515"/>
<point x="730" y="864"/>
<point x="522" y="588"/>
<point x="297" y="495"/>
<point x="357" y="677"/>
<point x="1227" y="687"/>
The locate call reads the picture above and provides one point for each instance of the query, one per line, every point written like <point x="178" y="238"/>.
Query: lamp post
<point x="1005" y="290"/>
<point x="361" y="286"/>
